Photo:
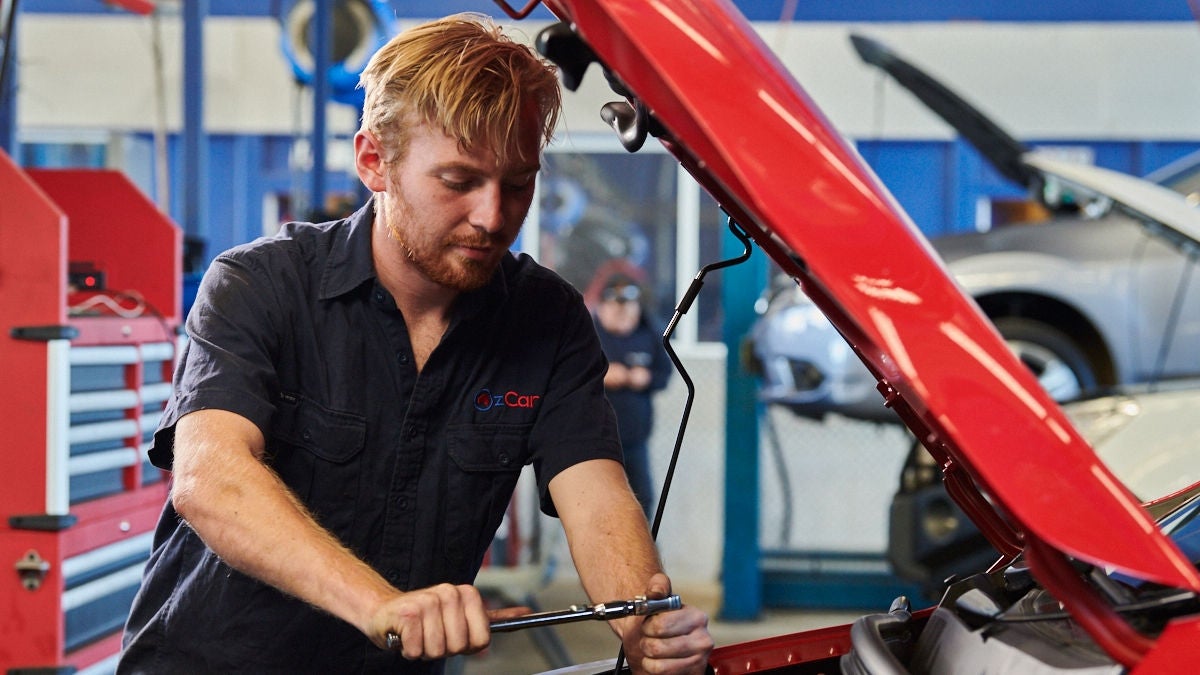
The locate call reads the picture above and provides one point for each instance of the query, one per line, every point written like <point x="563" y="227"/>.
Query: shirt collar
<point x="349" y="263"/>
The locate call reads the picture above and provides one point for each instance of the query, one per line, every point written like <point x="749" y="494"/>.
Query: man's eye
<point x="519" y="185"/>
<point x="458" y="185"/>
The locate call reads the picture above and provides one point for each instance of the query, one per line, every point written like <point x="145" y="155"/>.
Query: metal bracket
<point x="32" y="569"/>
<point x="44" y="333"/>
<point x="42" y="522"/>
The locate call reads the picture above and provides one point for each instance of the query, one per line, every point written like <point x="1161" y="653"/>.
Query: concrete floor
<point x="588" y="641"/>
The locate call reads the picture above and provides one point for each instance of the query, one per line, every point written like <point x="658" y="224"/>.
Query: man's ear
<point x="368" y="160"/>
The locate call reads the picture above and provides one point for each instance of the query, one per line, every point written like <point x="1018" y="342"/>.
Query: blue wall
<point x="244" y="171"/>
<point x="961" y="176"/>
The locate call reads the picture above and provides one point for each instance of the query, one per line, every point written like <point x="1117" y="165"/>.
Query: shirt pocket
<point x="486" y="461"/>
<point x="318" y="452"/>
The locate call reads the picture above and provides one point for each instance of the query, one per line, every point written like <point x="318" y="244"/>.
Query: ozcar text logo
<point x="485" y="400"/>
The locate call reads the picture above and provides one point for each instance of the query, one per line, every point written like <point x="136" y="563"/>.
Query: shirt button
<point x="402" y="357"/>
<point x="306" y="435"/>
<point x="410" y="433"/>
<point x="403" y="504"/>
<point x="504" y="459"/>
<point x="378" y="296"/>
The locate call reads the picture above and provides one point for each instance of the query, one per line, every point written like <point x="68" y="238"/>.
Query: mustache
<point x="481" y="240"/>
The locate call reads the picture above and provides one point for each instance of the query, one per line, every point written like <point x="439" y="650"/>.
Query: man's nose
<point x="487" y="212"/>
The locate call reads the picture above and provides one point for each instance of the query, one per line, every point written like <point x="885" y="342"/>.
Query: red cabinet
<point x="90" y="285"/>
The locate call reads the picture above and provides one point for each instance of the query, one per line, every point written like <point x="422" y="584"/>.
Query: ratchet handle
<point x="540" y="619"/>
<point x="639" y="606"/>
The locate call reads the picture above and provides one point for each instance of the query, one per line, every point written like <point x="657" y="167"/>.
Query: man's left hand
<point x="671" y="642"/>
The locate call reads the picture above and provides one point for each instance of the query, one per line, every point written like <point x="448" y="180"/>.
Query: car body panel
<point x="1147" y="438"/>
<point x="1121" y="280"/>
<point x="809" y="647"/>
<point x="1176" y="651"/>
<point x="742" y="126"/>
<point x="1153" y="202"/>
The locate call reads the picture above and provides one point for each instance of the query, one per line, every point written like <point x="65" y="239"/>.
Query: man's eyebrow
<point x="466" y="167"/>
<point x="458" y="166"/>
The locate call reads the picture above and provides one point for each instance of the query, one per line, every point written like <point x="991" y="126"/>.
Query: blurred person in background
<point x="637" y="367"/>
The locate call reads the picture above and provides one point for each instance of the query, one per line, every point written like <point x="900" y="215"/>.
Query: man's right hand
<point x="434" y="622"/>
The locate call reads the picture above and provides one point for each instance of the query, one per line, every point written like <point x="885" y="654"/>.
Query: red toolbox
<point x="90" y="296"/>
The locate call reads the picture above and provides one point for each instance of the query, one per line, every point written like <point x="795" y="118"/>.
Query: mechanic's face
<point x="453" y="213"/>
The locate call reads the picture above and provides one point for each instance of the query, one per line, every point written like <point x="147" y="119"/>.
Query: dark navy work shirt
<point x="411" y="471"/>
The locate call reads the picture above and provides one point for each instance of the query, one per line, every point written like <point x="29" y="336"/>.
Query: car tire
<point x="1059" y="363"/>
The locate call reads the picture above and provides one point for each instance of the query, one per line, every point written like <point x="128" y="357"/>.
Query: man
<point x="637" y="367"/>
<point x="357" y="398"/>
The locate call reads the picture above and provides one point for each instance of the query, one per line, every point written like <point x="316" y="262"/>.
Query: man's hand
<point x="669" y="642"/>
<point x="434" y="622"/>
<point x="621" y="376"/>
<point x="617" y="376"/>
<point x="615" y="556"/>
<point x="638" y="378"/>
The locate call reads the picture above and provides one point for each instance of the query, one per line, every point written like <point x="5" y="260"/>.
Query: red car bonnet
<point x="751" y="136"/>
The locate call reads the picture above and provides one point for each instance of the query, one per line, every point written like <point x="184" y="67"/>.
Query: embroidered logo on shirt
<point x="485" y="400"/>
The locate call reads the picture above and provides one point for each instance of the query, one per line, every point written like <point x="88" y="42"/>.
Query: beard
<point x="436" y="259"/>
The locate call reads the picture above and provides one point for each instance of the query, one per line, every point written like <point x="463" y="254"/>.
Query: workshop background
<point x="211" y="130"/>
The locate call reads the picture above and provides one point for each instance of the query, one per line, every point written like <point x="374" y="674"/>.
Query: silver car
<point x="1090" y="299"/>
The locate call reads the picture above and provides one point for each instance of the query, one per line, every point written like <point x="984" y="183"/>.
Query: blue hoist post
<point x="741" y="577"/>
<point x="195" y="138"/>
<point x="322" y="46"/>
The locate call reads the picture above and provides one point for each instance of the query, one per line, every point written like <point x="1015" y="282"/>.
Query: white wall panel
<point x="93" y="72"/>
<point x="88" y="71"/>
<point x="1093" y="81"/>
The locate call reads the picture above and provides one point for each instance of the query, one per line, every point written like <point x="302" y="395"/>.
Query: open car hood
<point x="698" y="75"/>
<point x="1151" y="204"/>
<point x="746" y="130"/>
<point x="1000" y="148"/>
<point x="1155" y="206"/>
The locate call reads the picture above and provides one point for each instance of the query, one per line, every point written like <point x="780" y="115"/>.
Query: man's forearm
<point x="607" y="531"/>
<point x="250" y="518"/>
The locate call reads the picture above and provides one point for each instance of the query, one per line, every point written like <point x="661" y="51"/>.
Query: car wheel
<point x="1059" y="364"/>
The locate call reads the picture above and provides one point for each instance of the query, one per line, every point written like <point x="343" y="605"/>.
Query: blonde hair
<point x="464" y="76"/>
